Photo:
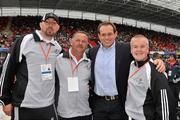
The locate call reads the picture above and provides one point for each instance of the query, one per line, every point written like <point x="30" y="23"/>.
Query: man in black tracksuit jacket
<point x="149" y="96"/>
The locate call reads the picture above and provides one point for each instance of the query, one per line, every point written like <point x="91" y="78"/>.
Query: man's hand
<point x="159" y="65"/>
<point x="7" y="109"/>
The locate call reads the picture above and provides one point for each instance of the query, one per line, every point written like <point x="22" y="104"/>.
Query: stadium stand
<point x="23" y="25"/>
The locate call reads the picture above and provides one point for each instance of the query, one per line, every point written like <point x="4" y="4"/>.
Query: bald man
<point x="149" y="96"/>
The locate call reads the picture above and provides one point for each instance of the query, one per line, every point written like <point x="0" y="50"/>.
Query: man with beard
<point x="27" y="81"/>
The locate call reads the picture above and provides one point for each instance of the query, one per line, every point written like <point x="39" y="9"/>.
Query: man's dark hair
<point x="105" y="24"/>
<point x="83" y="32"/>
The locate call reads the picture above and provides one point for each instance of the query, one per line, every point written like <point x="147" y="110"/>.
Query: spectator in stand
<point x="32" y="61"/>
<point x="156" y="55"/>
<point x="173" y="71"/>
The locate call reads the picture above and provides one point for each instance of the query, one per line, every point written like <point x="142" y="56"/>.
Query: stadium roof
<point x="141" y="10"/>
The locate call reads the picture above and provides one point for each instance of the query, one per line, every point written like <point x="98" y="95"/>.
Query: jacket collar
<point x="140" y="63"/>
<point x="38" y="38"/>
<point x="69" y="55"/>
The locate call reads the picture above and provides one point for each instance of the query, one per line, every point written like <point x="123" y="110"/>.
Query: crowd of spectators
<point x="3" y="23"/>
<point x="4" y="42"/>
<point x="158" y="41"/>
<point x="22" y="25"/>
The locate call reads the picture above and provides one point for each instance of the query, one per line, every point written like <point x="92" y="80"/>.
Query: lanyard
<point x="136" y="71"/>
<point x="73" y="67"/>
<point x="44" y="53"/>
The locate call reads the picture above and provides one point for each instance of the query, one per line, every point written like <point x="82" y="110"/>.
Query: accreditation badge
<point x="46" y="72"/>
<point x="73" y="85"/>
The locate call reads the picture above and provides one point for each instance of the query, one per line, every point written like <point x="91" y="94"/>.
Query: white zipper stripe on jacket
<point x="3" y="72"/>
<point x="164" y="104"/>
<point x="167" y="107"/>
<point x="16" y="113"/>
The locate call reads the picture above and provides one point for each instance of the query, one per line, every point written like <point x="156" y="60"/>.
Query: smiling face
<point x="107" y="35"/>
<point x="139" y="47"/>
<point x="79" y="43"/>
<point x="49" y="27"/>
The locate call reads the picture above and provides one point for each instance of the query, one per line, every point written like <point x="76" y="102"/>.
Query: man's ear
<point x="70" y="40"/>
<point x="98" y="35"/>
<point x="40" y="24"/>
<point x="58" y="27"/>
<point x="116" y="33"/>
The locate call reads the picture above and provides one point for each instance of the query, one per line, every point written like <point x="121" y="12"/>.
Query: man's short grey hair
<point x="83" y="32"/>
<point x="139" y="36"/>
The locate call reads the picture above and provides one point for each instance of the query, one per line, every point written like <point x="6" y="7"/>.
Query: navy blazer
<point x="123" y="59"/>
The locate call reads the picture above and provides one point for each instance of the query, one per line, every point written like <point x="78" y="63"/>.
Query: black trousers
<point x="89" y="117"/>
<point x="108" y="110"/>
<point x="46" y="113"/>
<point x="175" y="87"/>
